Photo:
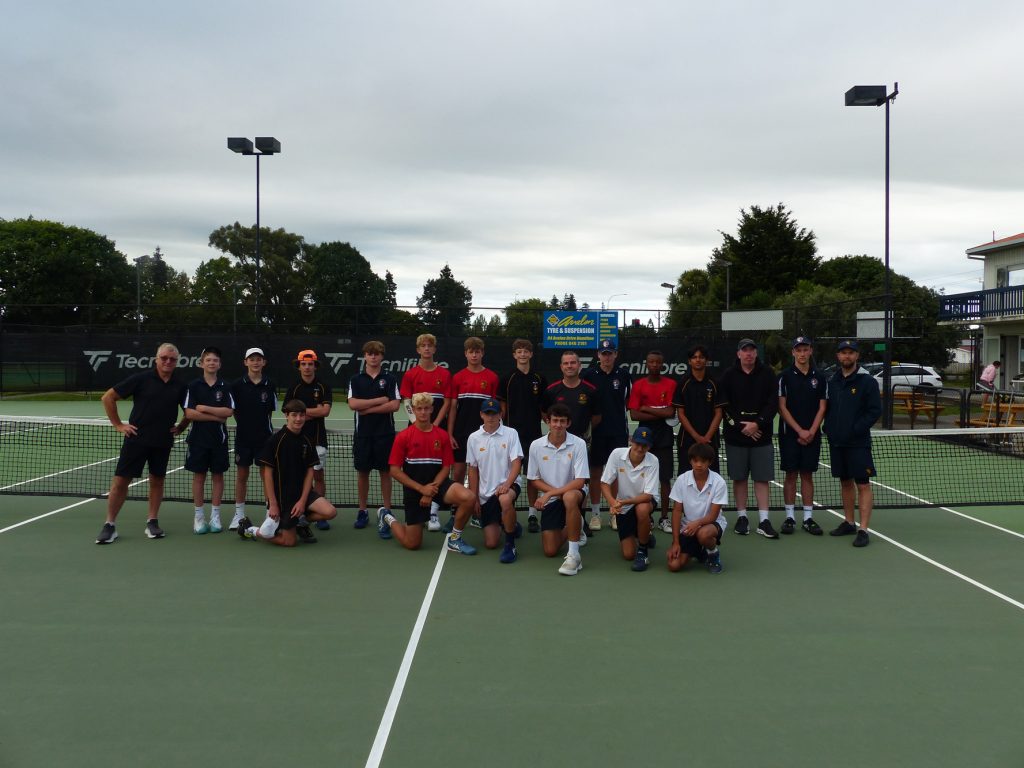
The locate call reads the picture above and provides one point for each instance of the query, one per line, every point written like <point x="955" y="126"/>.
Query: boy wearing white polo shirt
<point x="697" y="520"/>
<point x="634" y="472"/>
<point x="558" y="469"/>
<point x="495" y="458"/>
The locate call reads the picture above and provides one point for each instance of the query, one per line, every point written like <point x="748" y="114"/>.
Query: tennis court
<point x="212" y="650"/>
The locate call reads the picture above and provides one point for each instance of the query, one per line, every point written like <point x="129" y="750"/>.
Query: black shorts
<point x="665" y="463"/>
<point x="202" y="459"/>
<point x="287" y="522"/>
<point x="247" y="452"/>
<point x="416" y="514"/>
<point x="552" y="517"/>
<point x="601" y="447"/>
<point x="490" y="511"/>
<point x="794" y="457"/>
<point x="627" y="524"/>
<point x="371" y="452"/>
<point x="690" y="546"/>
<point x="134" y="457"/>
<point x="852" y="463"/>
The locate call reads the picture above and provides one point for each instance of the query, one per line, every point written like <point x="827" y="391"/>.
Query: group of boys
<point x="489" y="421"/>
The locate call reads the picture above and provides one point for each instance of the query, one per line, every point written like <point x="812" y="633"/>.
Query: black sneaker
<point x="742" y="525"/>
<point x="714" y="562"/>
<point x="861" y="539"/>
<point x="305" y="535"/>
<point x="765" y="529"/>
<point x="108" y="534"/>
<point x="843" y="529"/>
<point x="812" y="527"/>
<point x="153" y="529"/>
<point x="532" y="525"/>
<point x="788" y="526"/>
<point x="244" y="524"/>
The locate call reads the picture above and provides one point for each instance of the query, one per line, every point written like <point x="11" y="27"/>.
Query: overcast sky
<point x="537" y="147"/>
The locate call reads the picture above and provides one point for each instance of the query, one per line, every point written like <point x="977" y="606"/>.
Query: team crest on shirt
<point x="536" y="388"/>
<point x="853" y="390"/>
<point x="582" y="400"/>
<point x="662" y="396"/>
<point x="483" y="449"/>
<point x="437" y="445"/>
<point x="263" y="397"/>
<point x="616" y="384"/>
<point x="709" y="395"/>
<point x="218" y="396"/>
<point x="814" y="383"/>
<point x="483" y="386"/>
<point x="382" y="384"/>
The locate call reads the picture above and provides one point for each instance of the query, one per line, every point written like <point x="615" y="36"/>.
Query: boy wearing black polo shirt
<point x="613" y="385"/>
<point x="208" y="405"/>
<point x="317" y="396"/>
<point x="695" y="401"/>
<point x="801" y="411"/>
<point x="255" y="403"/>
<point x="148" y="436"/>
<point x="286" y="468"/>
<point x="373" y="397"/>
<point x="520" y="392"/>
<point x="420" y="460"/>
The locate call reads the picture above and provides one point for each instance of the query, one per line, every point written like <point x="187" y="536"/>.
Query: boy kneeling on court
<point x="697" y="520"/>
<point x="420" y="460"/>
<point x="286" y="467"/>
<point x="634" y="473"/>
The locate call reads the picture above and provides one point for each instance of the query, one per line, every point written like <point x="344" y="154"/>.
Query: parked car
<point x="907" y="374"/>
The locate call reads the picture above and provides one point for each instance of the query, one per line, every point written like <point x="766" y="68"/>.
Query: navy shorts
<point x="690" y="546"/>
<point x="552" y="517"/>
<point x="415" y="514"/>
<point x="134" y="457"/>
<point x="852" y="463"/>
<point x="202" y="459"/>
<point x="794" y="457"/>
<point x="371" y="452"/>
<point x="246" y="453"/>
<point x="490" y="510"/>
<point x="627" y="524"/>
<point x="601" y="447"/>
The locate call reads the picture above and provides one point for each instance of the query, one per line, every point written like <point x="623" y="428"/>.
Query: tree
<point x="445" y="304"/>
<point x="482" y="326"/>
<point x="524" y="319"/>
<point x="166" y="295"/>
<point x="768" y="252"/>
<point x="76" y="276"/>
<point x="217" y="290"/>
<point x="345" y="293"/>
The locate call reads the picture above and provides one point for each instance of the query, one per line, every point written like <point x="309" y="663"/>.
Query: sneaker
<point x="474" y="522"/>
<point x="215" y="526"/>
<point x="108" y="535"/>
<point x="861" y="539"/>
<point x="459" y="545"/>
<point x="450" y="525"/>
<point x="532" y="525"/>
<point x="242" y="525"/>
<point x="383" y="529"/>
<point x="199" y="526"/>
<point x="715" y="562"/>
<point x="812" y="527"/>
<point x="362" y="519"/>
<point x="788" y="526"/>
<point x="651" y="541"/>
<point x="305" y="534"/>
<point x="665" y="524"/>
<point x="843" y="529"/>
<point x="583" y="539"/>
<point x="509" y="554"/>
<point x="153" y="529"/>
<point x="742" y="525"/>
<point x="518" y="534"/>
<point x="433" y="524"/>
<point x="323" y="525"/>
<point x="640" y="562"/>
<point x="595" y="522"/>
<point x="765" y="529"/>
<point x="615" y="522"/>
<point x="571" y="566"/>
<point x="239" y="516"/>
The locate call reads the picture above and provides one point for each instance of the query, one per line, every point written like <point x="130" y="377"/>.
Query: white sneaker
<point x="199" y="526"/>
<point x="433" y="524"/>
<point x="215" y="526"/>
<point x="583" y="538"/>
<point x="595" y="521"/>
<point x="571" y="566"/>
<point x="235" y="521"/>
<point x="665" y="524"/>
<point x="615" y="522"/>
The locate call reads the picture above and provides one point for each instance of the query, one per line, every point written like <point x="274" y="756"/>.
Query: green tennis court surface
<point x="214" y="651"/>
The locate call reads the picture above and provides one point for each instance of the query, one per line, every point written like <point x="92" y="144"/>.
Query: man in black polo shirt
<point x="208" y="405"/>
<point x="801" y="411"/>
<point x="579" y="396"/>
<point x="316" y="394"/>
<point x="520" y="392"/>
<point x="613" y="385"/>
<point x="286" y="467"/>
<point x="373" y="396"/>
<point x="699" y="416"/>
<point x="148" y="435"/>
<point x="255" y="403"/>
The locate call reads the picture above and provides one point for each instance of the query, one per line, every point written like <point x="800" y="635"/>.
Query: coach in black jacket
<point x="853" y="407"/>
<point x="748" y="397"/>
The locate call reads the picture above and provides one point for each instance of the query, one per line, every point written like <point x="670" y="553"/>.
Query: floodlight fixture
<point x="240" y="145"/>
<point x="867" y="96"/>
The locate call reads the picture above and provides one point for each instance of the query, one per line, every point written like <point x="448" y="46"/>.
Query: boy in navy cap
<point x="495" y="457"/>
<point x="634" y="473"/>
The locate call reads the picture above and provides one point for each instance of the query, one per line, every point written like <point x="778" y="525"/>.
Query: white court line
<point x="58" y="474"/>
<point x="384" y="730"/>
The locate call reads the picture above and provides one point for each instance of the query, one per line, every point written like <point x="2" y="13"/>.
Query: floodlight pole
<point x="138" y="293"/>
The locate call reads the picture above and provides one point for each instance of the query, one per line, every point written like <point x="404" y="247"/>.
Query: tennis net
<point x="915" y="468"/>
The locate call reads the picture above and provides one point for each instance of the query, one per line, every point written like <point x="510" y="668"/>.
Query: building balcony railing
<point x="992" y="304"/>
